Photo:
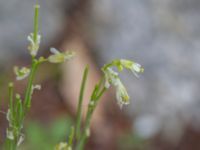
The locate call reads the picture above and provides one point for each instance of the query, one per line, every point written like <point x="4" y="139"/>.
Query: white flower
<point x="34" y="45"/>
<point x="59" y="57"/>
<point x="62" y="146"/>
<point x="21" y="139"/>
<point x="21" y="73"/>
<point x="121" y="94"/>
<point x="112" y="78"/>
<point x="134" y="67"/>
<point x="9" y="134"/>
<point x="35" y="87"/>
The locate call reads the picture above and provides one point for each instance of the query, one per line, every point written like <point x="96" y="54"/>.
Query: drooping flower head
<point x="112" y="78"/>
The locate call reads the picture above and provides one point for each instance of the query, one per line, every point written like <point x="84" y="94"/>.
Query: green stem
<point x="71" y="138"/>
<point x="79" y="111"/>
<point x="36" y="16"/>
<point x="10" y="92"/>
<point x="28" y="93"/>
<point x="10" y="145"/>
<point x="101" y="93"/>
<point x="91" y="108"/>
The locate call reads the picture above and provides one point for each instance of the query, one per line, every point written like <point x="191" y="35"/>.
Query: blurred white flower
<point x="134" y="67"/>
<point x="111" y="78"/>
<point x="21" y="73"/>
<point x="9" y="134"/>
<point x="63" y="146"/>
<point x="34" y="45"/>
<point x="59" y="57"/>
<point x="35" y="87"/>
<point x="121" y="94"/>
<point x="21" y="139"/>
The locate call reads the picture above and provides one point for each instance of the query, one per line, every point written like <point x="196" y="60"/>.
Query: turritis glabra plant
<point x="18" y="107"/>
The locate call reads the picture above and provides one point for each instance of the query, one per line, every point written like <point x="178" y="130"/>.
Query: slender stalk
<point x="85" y="134"/>
<point x="36" y="24"/>
<point x="11" y="144"/>
<point x="101" y="93"/>
<point x="96" y="95"/>
<point x="19" y="111"/>
<point x="10" y="93"/>
<point x="28" y="93"/>
<point x="71" y="137"/>
<point x="79" y="111"/>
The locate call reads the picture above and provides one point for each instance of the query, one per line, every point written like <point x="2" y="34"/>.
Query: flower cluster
<point x="21" y="73"/>
<point x="34" y="44"/>
<point x="112" y="78"/>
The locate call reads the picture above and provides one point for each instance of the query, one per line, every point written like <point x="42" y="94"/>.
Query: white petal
<point x="29" y="38"/>
<point x="107" y="84"/>
<point x="112" y="72"/>
<point x="37" y="87"/>
<point x="133" y="71"/>
<point x="137" y="67"/>
<point x="54" y="51"/>
<point x="62" y="145"/>
<point x="10" y="135"/>
<point x="21" y="139"/>
<point x="38" y="39"/>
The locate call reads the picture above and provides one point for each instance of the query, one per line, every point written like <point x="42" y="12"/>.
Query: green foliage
<point x="45" y="137"/>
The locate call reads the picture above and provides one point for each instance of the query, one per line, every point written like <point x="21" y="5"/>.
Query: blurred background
<point x="161" y="35"/>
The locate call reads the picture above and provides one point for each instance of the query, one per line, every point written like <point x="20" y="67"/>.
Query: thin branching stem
<point x="96" y="95"/>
